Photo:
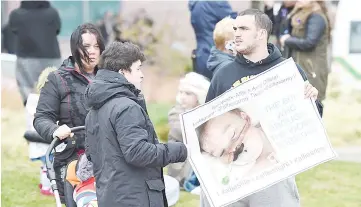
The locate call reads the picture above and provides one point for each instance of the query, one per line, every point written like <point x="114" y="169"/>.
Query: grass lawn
<point x="334" y="184"/>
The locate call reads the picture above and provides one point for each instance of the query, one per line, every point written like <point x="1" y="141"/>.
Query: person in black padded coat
<point x="61" y="103"/>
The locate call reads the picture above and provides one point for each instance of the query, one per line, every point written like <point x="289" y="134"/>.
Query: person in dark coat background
<point x="281" y="24"/>
<point x="36" y="25"/>
<point x="204" y="16"/>
<point x="7" y="40"/>
<point x="120" y="138"/>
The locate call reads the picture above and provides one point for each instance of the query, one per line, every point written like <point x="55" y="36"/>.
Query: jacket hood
<point x="218" y="59"/>
<point x="107" y="85"/>
<point x="67" y="64"/>
<point x="34" y="4"/>
<point x="274" y="55"/>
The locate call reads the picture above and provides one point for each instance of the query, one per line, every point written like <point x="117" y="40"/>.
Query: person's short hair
<point x="120" y="56"/>
<point x="223" y="31"/>
<point x="261" y="19"/>
<point x="78" y="51"/>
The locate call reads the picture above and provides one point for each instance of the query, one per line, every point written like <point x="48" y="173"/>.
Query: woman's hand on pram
<point x="63" y="132"/>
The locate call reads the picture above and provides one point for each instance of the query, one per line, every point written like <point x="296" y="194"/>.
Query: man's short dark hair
<point x="262" y="20"/>
<point x="120" y="55"/>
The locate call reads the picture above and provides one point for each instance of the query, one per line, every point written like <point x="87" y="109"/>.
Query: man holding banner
<point x="255" y="55"/>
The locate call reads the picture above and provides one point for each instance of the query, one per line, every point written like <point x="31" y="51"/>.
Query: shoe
<point x="46" y="192"/>
<point x="189" y="186"/>
<point x="45" y="186"/>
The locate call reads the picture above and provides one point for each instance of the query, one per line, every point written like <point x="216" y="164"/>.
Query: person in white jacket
<point x="37" y="150"/>
<point x="192" y="92"/>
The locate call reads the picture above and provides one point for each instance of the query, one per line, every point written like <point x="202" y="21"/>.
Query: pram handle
<point x="56" y="141"/>
<point x="49" y="164"/>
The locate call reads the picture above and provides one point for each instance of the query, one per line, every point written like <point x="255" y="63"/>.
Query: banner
<point x="255" y="135"/>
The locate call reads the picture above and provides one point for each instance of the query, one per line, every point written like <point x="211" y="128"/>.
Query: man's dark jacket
<point x="123" y="146"/>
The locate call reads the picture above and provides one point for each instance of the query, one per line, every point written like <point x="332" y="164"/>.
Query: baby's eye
<point x="234" y="134"/>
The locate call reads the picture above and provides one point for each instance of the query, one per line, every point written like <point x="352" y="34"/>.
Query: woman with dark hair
<point x="61" y="102"/>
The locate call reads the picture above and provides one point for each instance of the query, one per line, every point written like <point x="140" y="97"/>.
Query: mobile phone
<point x="230" y="46"/>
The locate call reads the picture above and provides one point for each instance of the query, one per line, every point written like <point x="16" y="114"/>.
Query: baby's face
<point x="223" y="135"/>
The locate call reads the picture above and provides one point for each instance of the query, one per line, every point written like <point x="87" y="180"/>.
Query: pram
<point x="33" y="136"/>
<point x="70" y="181"/>
<point x="68" y="186"/>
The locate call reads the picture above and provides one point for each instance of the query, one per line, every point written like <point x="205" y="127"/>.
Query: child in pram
<point x="81" y="185"/>
<point x="80" y="176"/>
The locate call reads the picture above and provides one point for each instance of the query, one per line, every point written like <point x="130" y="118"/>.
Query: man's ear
<point x="262" y="34"/>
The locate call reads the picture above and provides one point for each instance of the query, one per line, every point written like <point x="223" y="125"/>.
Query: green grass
<point x="158" y="113"/>
<point x="343" y="124"/>
<point x="334" y="184"/>
<point x="342" y="115"/>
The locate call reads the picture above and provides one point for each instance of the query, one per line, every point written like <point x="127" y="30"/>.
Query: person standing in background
<point x="281" y="24"/>
<point x="309" y="41"/>
<point x="224" y="50"/>
<point x="204" y="16"/>
<point x="106" y="26"/>
<point x="36" y="25"/>
<point x="7" y="40"/>
<point x="192" y="92"/>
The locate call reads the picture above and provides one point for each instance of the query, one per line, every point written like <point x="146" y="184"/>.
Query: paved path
<point x="349" y="154"/>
